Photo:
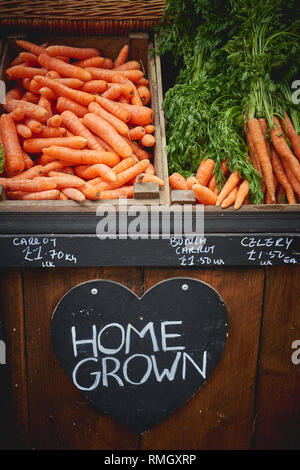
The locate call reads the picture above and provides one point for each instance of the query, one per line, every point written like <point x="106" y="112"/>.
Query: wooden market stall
<point x="250" y="401"/>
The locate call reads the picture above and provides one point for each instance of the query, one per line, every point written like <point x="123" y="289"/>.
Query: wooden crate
<point x="139" y="49"/>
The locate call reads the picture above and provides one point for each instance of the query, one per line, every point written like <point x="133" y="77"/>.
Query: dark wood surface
<point x="14" y="420"/>
<point x="219" y="416"/>
<point x="277" y="409"/>
<point x="250" y="400"/>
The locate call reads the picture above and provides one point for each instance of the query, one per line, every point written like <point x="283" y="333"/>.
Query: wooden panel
<point x="220" y="415"/>
<point x="14" y="416"/>
<point x="278" y="406"/>
<point x="60" y="418"/>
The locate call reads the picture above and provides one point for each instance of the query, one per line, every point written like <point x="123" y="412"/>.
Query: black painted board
<point x="226" y="221"/>
<point x="195" y="251"/>
<point x="140" y="360"/>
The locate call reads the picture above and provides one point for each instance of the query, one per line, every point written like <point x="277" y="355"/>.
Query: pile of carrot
<point x="277" y="163"/>
<point x="77" y="125"/>
<point x="234" y="191"/>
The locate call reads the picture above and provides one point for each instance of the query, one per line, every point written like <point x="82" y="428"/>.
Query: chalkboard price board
<point x="139" y="360"/>
<point x="211" y="250"/>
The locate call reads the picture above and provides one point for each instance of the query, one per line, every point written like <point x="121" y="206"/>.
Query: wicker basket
<point x="80" y="17"/>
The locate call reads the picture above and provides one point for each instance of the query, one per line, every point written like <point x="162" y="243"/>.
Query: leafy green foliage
<point x="237" y="57"/>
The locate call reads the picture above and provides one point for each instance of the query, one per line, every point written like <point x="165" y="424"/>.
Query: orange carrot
<point x="42" y="195"/>
<point x="17" y="114"/>
<point x="262" y="153"/>
<point x="139" y="115"/>
<point x="126" y="88"/>
<point x="150" y="170"/>
<point x="35" y="126"/>
<point x="36" y="145"/>
<point x="108" y="133"/>
<point x="129" y="65"/>
<point x="113" y="92"/>
<point x="31" y="47"/>
<point x="177" y="181"/>
<point x="82" y="157"/>
<point x="231" y="183"/>
<point x="153" y="179"/>
<point x="136" y="133"/>
<point x="119" y="125"/>
<point x="101" y="73"/>
<point x="242" y="194"/>
<point x="30" y="58"/>
<point x="291" y="177"/>
<point x="80" y="53"/>
<point x="28" y="185"/>
<point x="32" y="98"/>
<point x="70" y="82"/>
<point x="45" y="103"/>
<point x="96" y="61"/>
<point x="47" y="132"/>
<point x="282" y="148"/>
<point x="122" y="56"/>
<point x="282" y="178"/>
<point x="44" y="159"/>
<point x="23" y="131"/>
<point x="113" y="108"/>
<point x="140" y="152"/>
<point x="29" y="174"/>
<point x="191" y="181"/>
<point x="145" y="94"/>
<point x="48" y="93"/>
<point x="13" y="155"/>
<point x="106" y="146"/>
<point x="92" y="191"/>
<point x="54" y="121"/>
<point x="52" y="166"/>
<point x="124" y="165"/>
<point x="230" y="199"/>
<point x="93" y="171"/>
<point x="76" y="95"/>
<point x="71" y="121"/>
<point x="109" y="75"/>
<point x="65" y="104"/>
<point x="148" y="140"/>
<point x="135" y="99"/>
<point x="142" y="82"/>
<point x="23" y="71"/>
<point x="149" y="129"/>
<point x="64" y="180"/>
<point x="73" y="193"/>
<point x="292" y="135"/>
<point x="125" y="192"/>
<point x="53" y="74"/>
<point x="66" y="70"/>
<point x="15" y="93"/>
<point x="204" y="195"/>
<point x="28" y="163"/>
<point x="205" y="170"/>
<point x="95" y="86"/>
<point x="30" y="110"/>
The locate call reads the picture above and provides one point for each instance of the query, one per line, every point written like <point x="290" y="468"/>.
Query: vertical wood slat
<point x="277" y="423"/>
<point x="14" y="412"/>
<point x="60" y="417"/>
<point x="220" y="415"/>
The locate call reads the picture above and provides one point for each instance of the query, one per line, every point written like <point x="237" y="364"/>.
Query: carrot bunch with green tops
<point x="234" y="192"/>
<point x="76" y="125"/>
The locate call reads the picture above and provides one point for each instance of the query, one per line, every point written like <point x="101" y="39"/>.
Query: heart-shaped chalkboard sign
<point x="140" y="360"/>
